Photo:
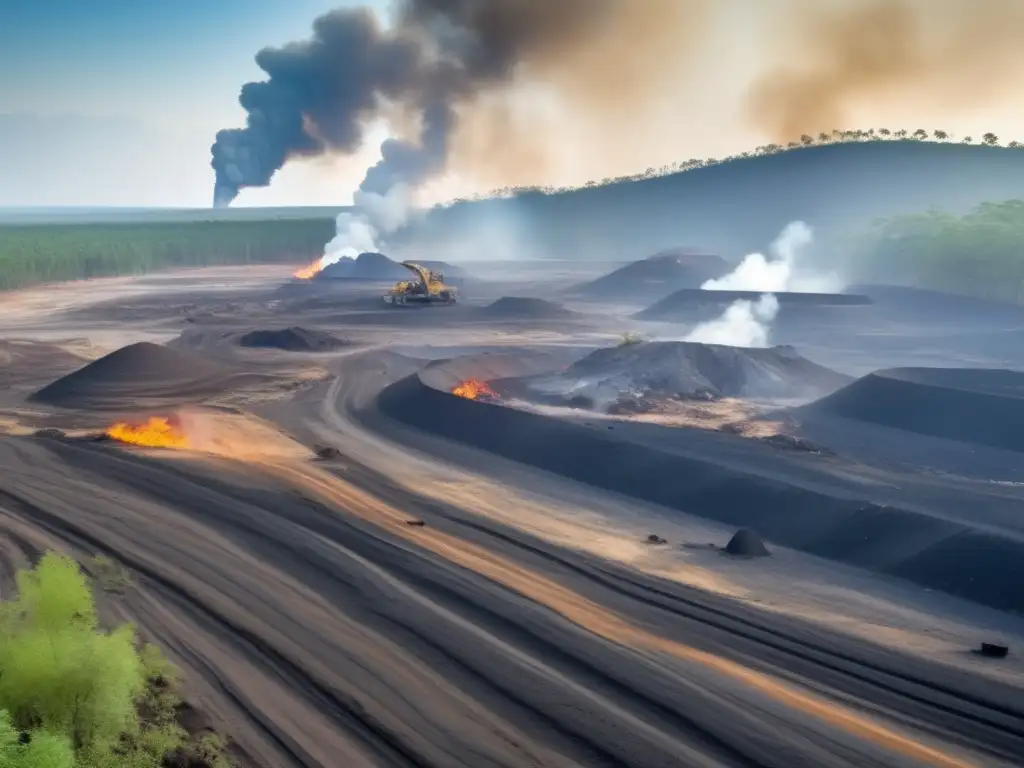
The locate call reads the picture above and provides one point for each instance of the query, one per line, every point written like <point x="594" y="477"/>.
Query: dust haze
<point x="516" y="93"/>
<point x="905" y="54"/>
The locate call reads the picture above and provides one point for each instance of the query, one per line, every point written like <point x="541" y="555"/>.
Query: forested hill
<point x="731" y="207"/>
<point x="737" y="205"/>
<point x="980" y="253"/>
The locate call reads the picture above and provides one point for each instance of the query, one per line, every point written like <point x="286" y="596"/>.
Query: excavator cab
<point x="428" y="288"/>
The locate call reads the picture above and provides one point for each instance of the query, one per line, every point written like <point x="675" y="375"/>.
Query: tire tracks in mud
<point x="995" y="713"/>
<point x="950" y="701"/>
<point x="327" y="620"/>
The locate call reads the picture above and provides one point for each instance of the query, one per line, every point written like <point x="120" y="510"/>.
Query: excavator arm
<point x="421" y="272"/>
<point x="429" y="287"/>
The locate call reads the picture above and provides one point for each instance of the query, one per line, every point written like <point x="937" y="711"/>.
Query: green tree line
<point x="936" y="136"/>
<point x="43" y="253"/>
<point x="980" y="253"/>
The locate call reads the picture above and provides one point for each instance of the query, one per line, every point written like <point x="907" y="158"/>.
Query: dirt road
<point x="318" y="625"/>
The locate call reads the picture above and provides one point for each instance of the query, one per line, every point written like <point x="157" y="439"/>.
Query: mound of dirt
<point x="139" y="373"/>
<point x="691" y="371"/>
<point x="655" y="277"/>
<point x="971" y="405"/>
<point x="734" y="483"/>
<point x="377" y="266"/>
<point x="683" y="303"/>
<point x="524" y="308"/>
<point x="294" y="339"/>
<point x="737" y="483"/>
<point x="746" y="543"/>
<point x="366" y="266"/>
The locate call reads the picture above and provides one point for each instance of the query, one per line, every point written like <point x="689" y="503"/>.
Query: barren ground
<point x="527" y="623"/>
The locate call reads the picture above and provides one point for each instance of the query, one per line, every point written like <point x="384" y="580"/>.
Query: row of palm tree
<point x="807" y="140"/>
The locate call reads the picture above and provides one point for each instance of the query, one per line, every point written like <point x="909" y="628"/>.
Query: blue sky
<point x="116" y="102"/>
<point x="120" y="57"/>
<point x="130" y="87"/>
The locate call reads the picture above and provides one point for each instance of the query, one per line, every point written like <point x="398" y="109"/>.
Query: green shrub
<point x="74" y="695"/>
<point x="43" y="750"/>
<point x="60" y="672"/>
<point x="630" y="337"/>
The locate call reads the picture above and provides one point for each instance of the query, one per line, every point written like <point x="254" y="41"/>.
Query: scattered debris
<point x="110" y="575"/>
<point x="794" y="443"/>
<point x="326" y="452"/>
<point x="993" y="650"/>
<point x="656" y="539"/>
<point x="746" y="543"/>
<point x="416" y="523"/>
<point x="50" y="432"/>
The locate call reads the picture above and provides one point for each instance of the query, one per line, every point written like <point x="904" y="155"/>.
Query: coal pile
<point x="688" y="303"/>
<point x="366" y="266"/>
<point x="691" y="371"/>
<point x="970" y="405"/>
<point x="377" y="266"/>
<point x="746" y="543"/>
<point x="814" y="509"/>
<point x="655" y="277"/>
<point x="523" y="308"/>
<point x="294" y="339"/>
<point x="142" y="372"/>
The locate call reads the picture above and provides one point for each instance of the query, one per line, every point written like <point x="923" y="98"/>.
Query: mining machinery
<point x="428" y="288"/>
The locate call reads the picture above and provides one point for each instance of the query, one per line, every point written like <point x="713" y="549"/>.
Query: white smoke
<point x="361" y="230"/>
<point x="747" y="323"/>
<point x="783" y="272"/>
<point x="744" y="323"/>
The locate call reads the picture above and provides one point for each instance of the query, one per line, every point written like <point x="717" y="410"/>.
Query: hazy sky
<point x="116" y="102"/>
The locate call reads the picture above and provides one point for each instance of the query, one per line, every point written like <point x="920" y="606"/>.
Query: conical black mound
<point x="295" y="339"/>
<point x="746" y="543"/>
<point x="524" y="308"/>
<point x="142" y="373"/>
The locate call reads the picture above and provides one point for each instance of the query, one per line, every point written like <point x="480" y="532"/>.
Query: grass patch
<point x="73" y="695"/>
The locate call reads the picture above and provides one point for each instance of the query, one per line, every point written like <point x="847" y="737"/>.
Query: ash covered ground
<point x="374" y="535"/>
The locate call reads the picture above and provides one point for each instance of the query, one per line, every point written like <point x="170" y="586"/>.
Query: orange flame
<point x="473" y="389"/>
<point x="308" y="271"/>
<point x="156" y="432"/>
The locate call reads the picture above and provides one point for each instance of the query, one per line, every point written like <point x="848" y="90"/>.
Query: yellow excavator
<point x="428" y="288"/>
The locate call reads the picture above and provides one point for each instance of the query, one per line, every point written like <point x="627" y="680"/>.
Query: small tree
<point x="991" y="139"/>
<point x="60" y="673"/>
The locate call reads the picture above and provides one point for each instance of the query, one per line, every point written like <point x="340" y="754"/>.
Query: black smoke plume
<point x="320" y="94"/>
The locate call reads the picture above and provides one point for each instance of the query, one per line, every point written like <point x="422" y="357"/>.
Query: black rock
<point x="326" y="451"/>
<point x="993" y="650"/>
<point x="746" y="543"/>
